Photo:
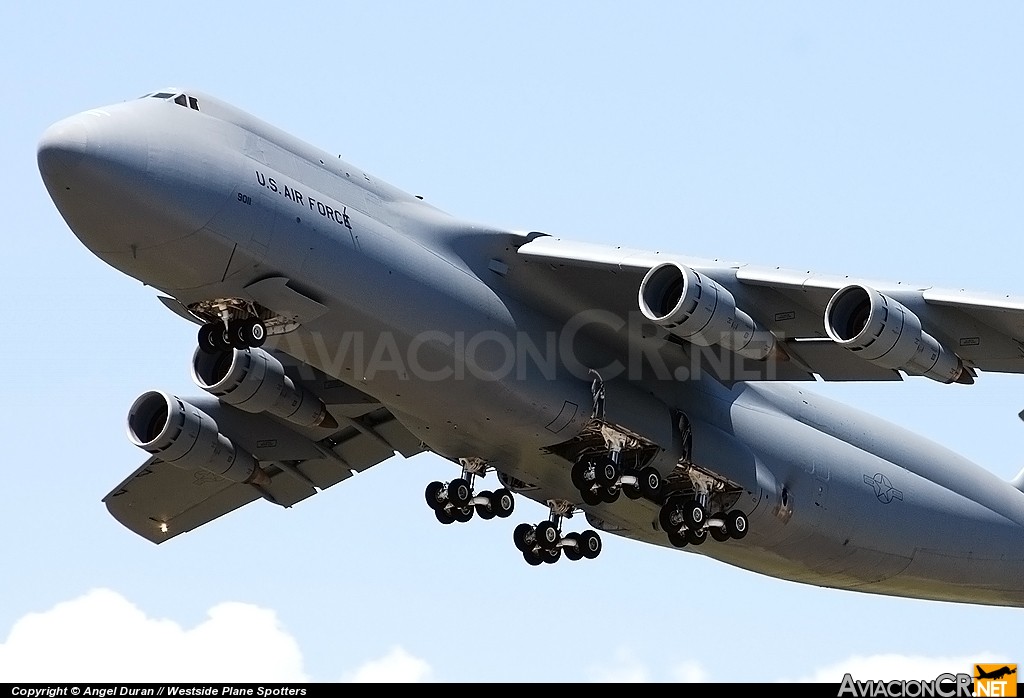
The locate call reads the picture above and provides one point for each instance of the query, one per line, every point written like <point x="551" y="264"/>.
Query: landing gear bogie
<point x="214" y="337"/>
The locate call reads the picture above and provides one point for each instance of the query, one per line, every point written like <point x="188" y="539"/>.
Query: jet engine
<point x="182" y="434"/>
<point x="253" y="380"/>
<point x="696" y="308"/>
<point x="883" y="331"/>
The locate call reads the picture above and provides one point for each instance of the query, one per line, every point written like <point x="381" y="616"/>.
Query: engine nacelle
<point x="696" y="308"/>
<point x="182" y="434"/>
<point x="883" y="331"/>
<point x="254" y="381"/>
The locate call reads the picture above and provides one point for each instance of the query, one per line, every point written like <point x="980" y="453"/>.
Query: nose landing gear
<point x="236" y="334"/>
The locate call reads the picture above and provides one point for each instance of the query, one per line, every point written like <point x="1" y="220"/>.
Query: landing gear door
<point x="723" y="454"/>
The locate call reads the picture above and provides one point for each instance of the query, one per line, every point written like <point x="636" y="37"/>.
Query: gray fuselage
<point x="432" y="317"/>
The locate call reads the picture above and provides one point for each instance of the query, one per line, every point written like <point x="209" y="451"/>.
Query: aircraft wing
<point x="985" y="332"/>
<point x="161" y="500"/>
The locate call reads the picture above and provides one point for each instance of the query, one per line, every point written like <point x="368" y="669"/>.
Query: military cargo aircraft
<point x="657" y="396"/>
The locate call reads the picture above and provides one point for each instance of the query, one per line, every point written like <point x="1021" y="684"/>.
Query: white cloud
<point x="689" y="672"/>
<point x="623" y="667"/>
<point x="397" y="666"/>
<point x="896" y="667"/>
<point x="101" y="636"/>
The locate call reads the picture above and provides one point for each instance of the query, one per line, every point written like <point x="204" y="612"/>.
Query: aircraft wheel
<point x="251" y="332"/>
<point x="236" y="335"/>
<point x="671" y="517"/>
<point x="694" y="514"/>
<point x="737" y="524"/>
<point x="677" y="539"/>
<point x="444" y="516"/>
<point x="459" y="492"/>
<point x="572" y="548"/>
<point x="551" y="555"/>
<point x="578" y="474"/>
<point x="463" y="514"/>
<point x="207" y="342"/>
<point x="721" y="534"/>
<point x="607" y="471"/>
<point x="485" y="511"/>
<point x="590" y="544"/>
<point x="590" y="497"/>
<point x="546" y="534"/>
<point x="433" y="495"/>
<point x="696" y="536"/>
<point x="213" y="338"/>
<point x="609" y="494"/>
<point x="503" y="503"/>
<point x="523" y="536"/>
<point x="531" y="557"/>
<point x="650" y="483"/>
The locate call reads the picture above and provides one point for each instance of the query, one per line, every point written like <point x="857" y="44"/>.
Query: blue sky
<point x="873" y="139"/>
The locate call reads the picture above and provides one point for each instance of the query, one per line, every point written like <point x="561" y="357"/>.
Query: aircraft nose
<point x="62" y="148"/>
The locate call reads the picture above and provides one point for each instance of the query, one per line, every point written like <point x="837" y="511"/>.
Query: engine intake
<point x="883" y="331"/>
<point x="696" y="308"/>
<point x="182" y="434"/>
<point x="255" y="381"/>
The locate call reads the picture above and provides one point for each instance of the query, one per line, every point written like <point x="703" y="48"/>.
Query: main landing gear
<point x="686" y="521"/>
<point x="544" y="543"/>
<point x="455" y="501"/>
<point x="600" y="479"/>
<point x="219" y="336"/>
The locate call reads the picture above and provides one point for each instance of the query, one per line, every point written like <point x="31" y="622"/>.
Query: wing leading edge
<point x="974" y="331"/>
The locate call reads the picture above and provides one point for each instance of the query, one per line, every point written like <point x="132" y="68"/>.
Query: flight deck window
<point x="186" y="101"/>
<point x="161" y="95"/>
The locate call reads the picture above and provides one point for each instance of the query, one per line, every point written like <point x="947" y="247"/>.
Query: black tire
<point x="696" y="536"/>
<point x="252" y="332"/>
<point x="236" y="335"/>
<point x="463" y="514"/>
<point x="571" y="546"/>
<point x="590" y="544"/>
<point x="606" y="471"/>
<point x="719" y="533"/>
<point x="503" y="503"/>
<point x="737" y="524"/>
<point x="590" y="497"/>
<point x="213" y="338"/>
<point x="434" y="495"/>
<point x="485" y="511"/>
<point x="444" y="516"/>
<point x="650" y="483"/>
<point x="547" y="535"/>
<point x="208" y="343"/>
<point x="531" y="557"/>
<point x="551" y="555"/>
<point x="677" y="539"/>
<point x="609" y="494"/>
<point x="459" y="492"/>
<point x="694" y="514"/>
<point x="670" y="517"/>
<point x="523" y="536"/>
<point x="578" y="474"/>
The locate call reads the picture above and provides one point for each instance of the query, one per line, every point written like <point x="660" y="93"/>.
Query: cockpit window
<point x="183" y="99"/>
<point x="186" y="101"/>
